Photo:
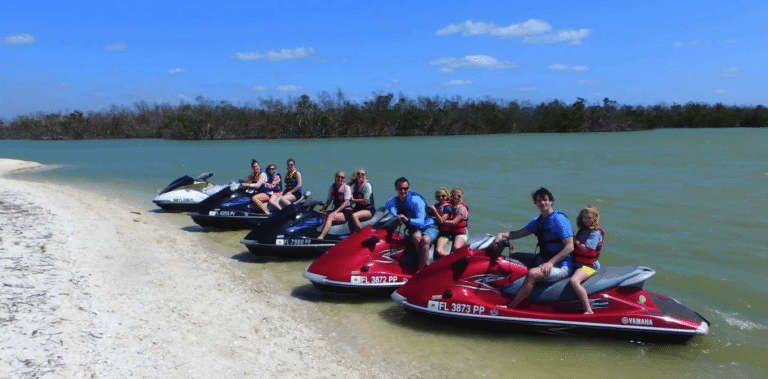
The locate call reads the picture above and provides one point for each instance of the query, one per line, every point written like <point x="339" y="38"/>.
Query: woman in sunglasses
<point x="363" y="206"/>
<point x="293" y="184"/>
<point x="340" y="195"/>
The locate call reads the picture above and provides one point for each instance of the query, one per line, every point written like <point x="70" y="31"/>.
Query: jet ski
<point x="377" y="259"/>
<point x="294" y="231"/>
<point x="476" y="285"/>
<point x="185" y="193"/>
<point x="232" y="208"/>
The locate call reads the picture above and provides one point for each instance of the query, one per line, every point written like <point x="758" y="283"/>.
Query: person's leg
<point x="274" y="201"/>
<point x="581" y="293"/>
<point x="459" y="241"/>
<point x="287" y="199"/>
<point x="259" y="200"/>
<point x="361" y="215"/>
<point x="442" y="241"/>
<point x="534" y="275"/>
<point x="332" y="218"/>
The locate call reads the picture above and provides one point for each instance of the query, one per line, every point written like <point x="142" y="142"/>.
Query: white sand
<point x="98" y="289"/>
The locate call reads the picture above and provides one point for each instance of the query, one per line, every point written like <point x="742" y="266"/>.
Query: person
<point x="293" y="184"/>
<point x="453" y="224"/>
<point x="442" y="206"/>
<point x="410" y="208"/>
<point x="256" y="178"/>
<point x="271" y="190"/>
<point x="586" y="249"/>
<point x="555" y="236"/>
<point x="264" y="185"/>
<point x="340" y="195"/>
<point x="363" y="206"/>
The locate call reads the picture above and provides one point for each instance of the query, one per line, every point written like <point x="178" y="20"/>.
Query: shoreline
<point x="103" y="289"/>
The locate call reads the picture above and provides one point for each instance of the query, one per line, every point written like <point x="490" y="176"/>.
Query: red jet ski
<point x="476" y="285"/>
<point x="371" y="260"/>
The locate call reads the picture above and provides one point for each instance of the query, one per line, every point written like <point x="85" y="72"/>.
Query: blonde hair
<point x="595" y="214"/>
<point x="458" y="189"/>
<point x="442" y="191"/>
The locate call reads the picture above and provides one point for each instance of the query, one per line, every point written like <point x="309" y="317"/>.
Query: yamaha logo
<point x="636" y="321"/>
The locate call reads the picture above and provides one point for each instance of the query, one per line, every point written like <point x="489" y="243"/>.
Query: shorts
<point x="558" y="272"/>
<point x="430" y="231"/>
<point x="450" y="237"/>
<point x="595" y="266"/>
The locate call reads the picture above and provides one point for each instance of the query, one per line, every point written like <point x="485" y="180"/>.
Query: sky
<point x="92" y="55"/>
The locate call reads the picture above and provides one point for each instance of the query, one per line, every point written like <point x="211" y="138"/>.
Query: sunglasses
<point x="340" y="176"/>
<point x="403" y="188"/>
<point x="360" y="174"/>
<point x="441" y="196"/>
<point x="291" y="164"/>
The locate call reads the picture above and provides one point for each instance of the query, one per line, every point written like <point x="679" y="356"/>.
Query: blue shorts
<point x="430" y="231"/>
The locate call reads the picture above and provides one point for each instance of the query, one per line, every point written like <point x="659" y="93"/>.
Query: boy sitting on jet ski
<point x="555" y="236"/>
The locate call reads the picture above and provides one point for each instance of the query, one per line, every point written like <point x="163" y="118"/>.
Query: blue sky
<point x="88" y="55"/>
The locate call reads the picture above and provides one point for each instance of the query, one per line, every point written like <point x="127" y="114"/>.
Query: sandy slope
<point x="98" y="289"/>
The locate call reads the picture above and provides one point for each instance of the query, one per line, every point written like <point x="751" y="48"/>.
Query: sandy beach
<point x="99" y="289"/>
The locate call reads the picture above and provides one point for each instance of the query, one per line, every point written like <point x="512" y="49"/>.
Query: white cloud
<point x="588" y="82"/>
<point x="729" y="43"/>
<point x="721" y="91"/>
<point x="532" y="31"/>
<point x="729" y="72"/>
<point x="564" y="67"/>
<point x="472" y="62"/>
<point x="458" y="82"/>
<point x="275" y="55"/>
<point x="259" y="88"/>
<point x="558" y="67"/>
<point x="18" y="39"/>
<point x="393" y="82"/>
<point x="177" y="70"/>
<point x="120" y="46"/>
<point x="290" y="88"/>
<point x="694" y="42"/>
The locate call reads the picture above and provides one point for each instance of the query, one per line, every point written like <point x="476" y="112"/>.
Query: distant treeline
<point x="382" y="116"/>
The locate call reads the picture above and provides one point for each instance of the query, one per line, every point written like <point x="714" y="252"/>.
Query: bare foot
<point x="589" y="313"/>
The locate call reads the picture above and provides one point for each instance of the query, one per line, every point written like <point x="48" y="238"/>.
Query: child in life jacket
<point x="453" y="225"/>
<point x="586" y="249"/>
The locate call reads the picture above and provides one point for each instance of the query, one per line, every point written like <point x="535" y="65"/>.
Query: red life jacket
<point x="589" y="256"/>
<point x="444" y="207"/>
<point x="461" y="226"/>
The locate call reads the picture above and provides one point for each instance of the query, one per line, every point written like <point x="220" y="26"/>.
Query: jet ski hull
<point x="475" y="288"/>
<point x="369" y="261"/>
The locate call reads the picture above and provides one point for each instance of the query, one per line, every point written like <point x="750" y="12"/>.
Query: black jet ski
<point x="185" y="193"/>
<point x="232" y="208"/>
<point x="295" y="232"/>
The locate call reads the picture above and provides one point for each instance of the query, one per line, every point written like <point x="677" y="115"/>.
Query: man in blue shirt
<point x="555" y="236"/>
<point x="411" y="209"/>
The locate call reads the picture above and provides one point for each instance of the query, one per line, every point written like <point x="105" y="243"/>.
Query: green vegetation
<point x="381" y="116"/>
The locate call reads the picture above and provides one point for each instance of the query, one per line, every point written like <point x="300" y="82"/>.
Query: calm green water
<point x="690" y="204"/>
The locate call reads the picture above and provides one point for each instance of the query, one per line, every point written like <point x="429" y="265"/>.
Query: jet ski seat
<point x="605" y="278"/>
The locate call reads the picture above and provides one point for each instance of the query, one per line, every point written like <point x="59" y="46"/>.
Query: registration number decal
<point x="455" y="307"/>
<point x="374" y="279"/>
<point x="292" y="242"/>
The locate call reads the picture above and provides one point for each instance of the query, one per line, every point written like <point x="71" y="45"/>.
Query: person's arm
<point x="421" y="213"/>
<point x="512" y="235"/>
<point x="298" y="182"/>
<point x="546" y="267"/>
<point x="460" y="215"/>
<point x="275" y="181"/>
